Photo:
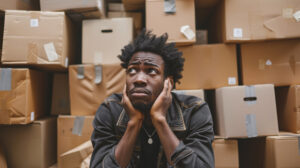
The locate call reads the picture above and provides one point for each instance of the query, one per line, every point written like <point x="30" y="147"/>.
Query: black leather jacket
<point x="189" y="118"/>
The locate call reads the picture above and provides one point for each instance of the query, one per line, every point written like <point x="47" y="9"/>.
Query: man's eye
<point x="131" y="71"/>
<point x="152" y="71"/>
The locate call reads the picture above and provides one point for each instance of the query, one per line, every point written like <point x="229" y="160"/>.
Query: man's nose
<point x="141" y="79"/>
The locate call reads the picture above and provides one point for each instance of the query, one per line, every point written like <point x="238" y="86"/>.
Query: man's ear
<point x="172" y="81"/>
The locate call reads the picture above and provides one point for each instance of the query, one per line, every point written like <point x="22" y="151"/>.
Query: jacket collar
<point x="174" y="117"/>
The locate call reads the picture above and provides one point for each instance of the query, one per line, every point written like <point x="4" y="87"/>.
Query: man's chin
<point x="142" y="107"/>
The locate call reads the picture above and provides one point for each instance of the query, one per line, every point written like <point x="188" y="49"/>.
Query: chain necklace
<point x="150" y="140"/>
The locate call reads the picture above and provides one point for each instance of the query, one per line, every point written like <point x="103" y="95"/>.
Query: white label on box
<point x="231" y="81"/>
<point x="50" y="52"/>
<point x="67" y="62"/>
<point x="287" y="12"/>
<point x="34" y="23"/>
<point x="269" y="62"/>
<point x="187" y="31"/>
<point x="238" y="32"/>
<point x="297" y="16"/>
<point x="32" y="116"/>
<point x="78" y="125"/>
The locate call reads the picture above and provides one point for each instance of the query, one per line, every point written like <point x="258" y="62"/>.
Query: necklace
<point x="150" y="140"/>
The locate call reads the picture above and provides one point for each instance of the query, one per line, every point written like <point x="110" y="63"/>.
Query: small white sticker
<point x="238" y="32"/>
<point x="50" y="52"/>
<point x="287" y="12"/>
<point x="34" y="23"/>
<point x="297" y="16"/>
<point x="269" y="62"/>
<point x="231" y="81"/>
<point x="32" y="116"/>
<point x="67" y="62"/>
<point x="187" y="31"/>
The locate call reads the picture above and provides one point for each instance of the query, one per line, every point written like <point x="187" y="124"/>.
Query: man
<point x="148" y="126"/>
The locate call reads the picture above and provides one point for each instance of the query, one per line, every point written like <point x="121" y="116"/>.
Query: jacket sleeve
<point x="196" y="149"/>
<point x="103" y="139"/>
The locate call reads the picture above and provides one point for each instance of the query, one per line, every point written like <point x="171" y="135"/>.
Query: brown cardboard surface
<point x="258" y="20"/>
<point x="134" y="5"/>
<point x="136" y="16"/>
<point x="75" y="156"/>
<point x="276" y="62"/>
<point x="32" y="145"/>
<point x="3" y="163"/>
<point x="28" y="97"/>
<point x="60" y="94"/>
<point x="226" y="153"/>
<point x="208" y="66"/>
<point x="19" y="5"/>
<point x="160" y="22"/>
<point x="45" y="39"/>
<point x="85" y="95"/>
<point x="103" y="39"/>
<point x="66" y="140"/>
<point x="232" y="113"/>
<point x="198" y="93"/>
<point x="288" y="108"/>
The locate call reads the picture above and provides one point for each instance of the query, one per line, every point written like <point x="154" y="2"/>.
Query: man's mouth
<point x="136" y="92"/>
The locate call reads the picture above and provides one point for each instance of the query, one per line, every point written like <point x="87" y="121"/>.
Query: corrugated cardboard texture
<point x="19" y="5"/>
<point x="276" y="62"/>
<point x="226" y="153"/>
<point x="60" y="94"/>
<point x="45" y="39"/>
<point x="32" y="145"/>
<point x="161" y="22"/>
<point x="258" y="20"/>
<point x="232" y="113"/>
<point x="85" y="95"/>
<point x="65" y="139"/>
<point x="208" y="66"/>
<point x="103" y="39"/>
<point x="134" y="5"/>
<point x="288" y="108"/>
<point x="29" y="95"/>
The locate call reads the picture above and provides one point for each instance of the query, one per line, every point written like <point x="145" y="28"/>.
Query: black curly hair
<point x="148" y="42"/>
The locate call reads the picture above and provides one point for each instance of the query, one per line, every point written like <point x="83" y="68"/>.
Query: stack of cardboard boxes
<point x="59" y="63"/>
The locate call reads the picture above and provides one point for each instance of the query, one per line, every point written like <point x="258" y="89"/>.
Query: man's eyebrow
<point x="146" y="63"/>
<point x="151" y="64"/>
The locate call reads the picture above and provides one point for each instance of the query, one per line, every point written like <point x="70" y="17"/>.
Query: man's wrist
<point x="158" y="120"/>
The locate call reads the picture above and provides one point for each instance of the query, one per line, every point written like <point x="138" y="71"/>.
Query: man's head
<point x="148" y="61"/>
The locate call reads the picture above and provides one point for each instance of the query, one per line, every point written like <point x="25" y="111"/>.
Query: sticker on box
<point x="34" y="23"/>
<point x="287" y="12"/>
<point x="297" y="16"/>
<point x="231" y="81"/>
<point x="238" y="32"/>
<point x="187" y="32"/>
<point x="31" y="116"/>
<point x="50" y="52"/>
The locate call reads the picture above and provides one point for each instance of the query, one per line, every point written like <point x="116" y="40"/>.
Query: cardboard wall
<point x="226" y="153"/>
<point x="60" y="94"/>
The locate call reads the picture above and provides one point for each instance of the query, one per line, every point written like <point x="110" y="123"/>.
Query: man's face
<point x="144" y="79"/>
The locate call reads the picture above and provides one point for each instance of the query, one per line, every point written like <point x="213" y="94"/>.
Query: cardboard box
<point x="3" y="163"/>
<point x="19" y="5"/>
<point x="276" y="62"/>
<point x="116" y="7"/>
<point x="76" y="156"/>
<point x="208" y="66"/>
<point x="71" y="132"/>
<point x="46" y="39"/>
<point x="103" y="39"/>
<point x="201" y="37"/>
<point x="90" y="85"/>
<point x="198" y="93"/>
<point x="270" y="152"/>
<point x="86" y="8"/>
<point x="288" y="108"/>
<point x="246" y="111"/>
<point x="244" y="20"/>
<point x="226" y="153"/>
<point x="32" y="145"/>
<point x="60" y="94"/>
<point x="134" y="5"/>
<point x="161" y="22"/>
<point x="136" y="16"/>
<point x="24" y="95"/>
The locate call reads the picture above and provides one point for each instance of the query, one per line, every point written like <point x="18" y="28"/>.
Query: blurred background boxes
<point x="24" y="95"/>
<point x="32" y="145"/>
<point x="60" y="94"/>
<point x="91" y="84"/>
<point x="226" y="153"/>
<point x="19" y="5"/>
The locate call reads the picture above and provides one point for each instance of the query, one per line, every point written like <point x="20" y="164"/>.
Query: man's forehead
<point x="146" y="57"/>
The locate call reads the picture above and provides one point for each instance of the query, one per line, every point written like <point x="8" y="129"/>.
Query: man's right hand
<point x="134" y="114"/>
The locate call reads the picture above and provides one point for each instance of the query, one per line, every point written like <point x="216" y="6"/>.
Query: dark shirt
<point x="188" y="117"/>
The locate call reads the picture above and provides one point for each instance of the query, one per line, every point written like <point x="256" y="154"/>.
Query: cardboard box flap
<point x="283" y="27"/>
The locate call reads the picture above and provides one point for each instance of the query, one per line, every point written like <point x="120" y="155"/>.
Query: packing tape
<point x="67" y="62"/>
<point x="170" y="6"/>
<point x="287" y="13"/>
<point x="299" y="145"/>
<point x="250" y="96"/>
<point x="5" y="79"/>
<point x="297" y="16"/>
<point x="80" y="72"/>
<point x="187" y="32"/>
<point x="98" y="58"/>
<point x="78" y="125"/>
<point x="32" y="116"/>
<point x="251" y="125"/>
<point x="50" y="52"/>
<point x="98" y="74"/>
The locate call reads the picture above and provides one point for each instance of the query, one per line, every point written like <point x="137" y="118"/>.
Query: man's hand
<point x="134" y="114"/>
<point x="162" y="103"/>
